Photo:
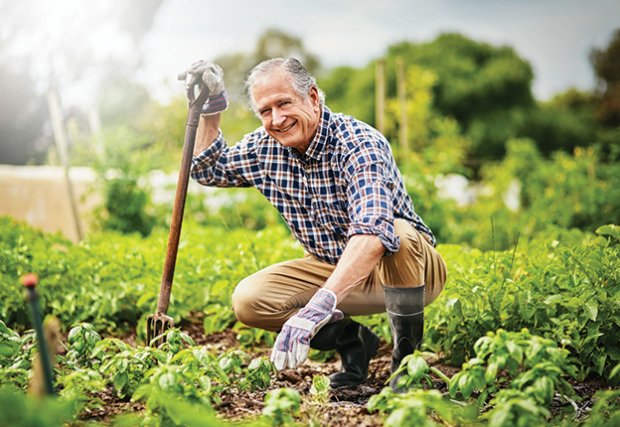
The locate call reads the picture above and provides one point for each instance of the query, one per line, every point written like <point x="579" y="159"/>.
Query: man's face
<point x="289" y="118"/>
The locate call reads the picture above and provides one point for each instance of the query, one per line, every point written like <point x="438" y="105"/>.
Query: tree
<point x="483" y="87"/>
<point x="474" y="78"/>
<point x="351" y="91"/>
<point x="606" y="64"/>
<point x="486" y="88"/>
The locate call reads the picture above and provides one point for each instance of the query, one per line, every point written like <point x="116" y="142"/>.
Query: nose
<point x="277" y="118"/>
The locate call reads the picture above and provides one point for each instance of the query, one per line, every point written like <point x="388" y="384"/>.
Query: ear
<point x="314" y="96"/>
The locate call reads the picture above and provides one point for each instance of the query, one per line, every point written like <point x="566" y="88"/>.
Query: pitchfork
<point x="159" y="322"/>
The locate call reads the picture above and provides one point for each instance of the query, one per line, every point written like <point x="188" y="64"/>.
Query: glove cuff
<point x="323" y="301"/>
<point x="215" y="104"/>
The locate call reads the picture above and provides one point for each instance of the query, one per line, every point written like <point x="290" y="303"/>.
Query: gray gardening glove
<point x="207" y="74"/>
<point x="293" y="341"/>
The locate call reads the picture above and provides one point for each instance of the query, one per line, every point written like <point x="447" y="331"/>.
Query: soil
<point x="347" y="406"/>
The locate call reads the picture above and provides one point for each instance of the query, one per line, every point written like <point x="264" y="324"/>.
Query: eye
<point x="264" y="112"/>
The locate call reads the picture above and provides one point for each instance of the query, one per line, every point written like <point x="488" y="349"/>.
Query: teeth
<point x="287" y="128"/>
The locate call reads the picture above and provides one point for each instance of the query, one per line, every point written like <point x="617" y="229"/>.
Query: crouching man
<point x="335" y="182"/>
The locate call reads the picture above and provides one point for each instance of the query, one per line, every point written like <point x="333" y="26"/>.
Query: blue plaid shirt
<point x="346" y="183"/>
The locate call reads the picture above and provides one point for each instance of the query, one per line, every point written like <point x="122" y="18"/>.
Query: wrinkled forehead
<point x="276" y="77"/>
<point x="275" y="81"/>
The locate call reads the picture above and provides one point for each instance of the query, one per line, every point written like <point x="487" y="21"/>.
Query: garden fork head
<point x="156" y="325"/>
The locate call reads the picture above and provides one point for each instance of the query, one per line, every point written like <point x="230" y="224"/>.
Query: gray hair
<point x="301" y="80"/>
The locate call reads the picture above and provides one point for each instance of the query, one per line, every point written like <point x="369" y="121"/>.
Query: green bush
<point x="555" y="195"/>
<point x="112" y="280"/>
<point x="126" y="206"/>
<point x="567" y="292"/>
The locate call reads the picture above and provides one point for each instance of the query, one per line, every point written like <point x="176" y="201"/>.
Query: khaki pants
<point x="267" y="298"/>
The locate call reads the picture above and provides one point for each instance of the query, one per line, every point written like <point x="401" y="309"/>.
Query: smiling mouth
<point x="286" y="129"/>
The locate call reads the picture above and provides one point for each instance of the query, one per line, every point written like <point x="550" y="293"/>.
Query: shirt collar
<point x="316" y="148"/>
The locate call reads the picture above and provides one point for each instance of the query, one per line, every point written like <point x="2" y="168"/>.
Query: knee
<point x="243" y="303"/>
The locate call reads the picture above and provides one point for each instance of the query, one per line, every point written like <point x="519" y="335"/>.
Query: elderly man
<point x="335" y="182"/>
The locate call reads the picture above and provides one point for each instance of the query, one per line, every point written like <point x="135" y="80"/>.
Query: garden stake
<point x="30" y="282"/>
<point x="159" y="322"/>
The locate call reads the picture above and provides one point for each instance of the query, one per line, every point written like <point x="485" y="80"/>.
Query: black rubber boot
<point x="356" y="345"/>
<point x="405" y="309"/>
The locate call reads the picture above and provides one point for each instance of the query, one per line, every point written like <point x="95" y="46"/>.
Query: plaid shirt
<point x="346" y="183"/>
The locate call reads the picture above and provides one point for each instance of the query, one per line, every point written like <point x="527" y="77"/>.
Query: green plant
<point x="250" y="337"/>
<point x="257" y="374"/>
<point x="16" y="355"/>
<point x="175" y="341"/>
<point x="10" y="343"/>
<point x="281" y="406"/>
<point x="20" y="410"/>
<point x="514" y="408"/>
<point x="82" y="386"/>
<point x="566" y="291"/>
<point x="218" y="318"/>
<point x="166" y="382"/>
<point x="200" y="361"/>
<point x="125" y="206"/>
<point x="418" y="407"/>
<point x="534" y="368"/>
<point x="232" y="362"/>
<point x="127" y="368"/>
<point x="414" y="370"/>
<point x="319" y="390"/>
<point x="82" y="340"/>
<point x="606" y="409"/>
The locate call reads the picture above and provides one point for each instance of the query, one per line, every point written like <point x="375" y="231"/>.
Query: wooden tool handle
<point x="193" y="117"/>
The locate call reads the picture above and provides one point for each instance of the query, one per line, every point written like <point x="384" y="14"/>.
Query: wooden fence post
<point x="380" y="95"/>
<point x="60" y="137"/>
<point x="402" y="103"/>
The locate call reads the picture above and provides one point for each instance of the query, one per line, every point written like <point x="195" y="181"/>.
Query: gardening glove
<point x="293" y="341"/>
<point x="210" y="75"/>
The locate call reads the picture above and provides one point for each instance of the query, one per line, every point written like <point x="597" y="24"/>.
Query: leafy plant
<point x="319" y="390"/>
<point x="82" y="386"/>
<point x="218" y="318"/>
<point x="127" y="369"/>
<point x="19" y="409"/>
<point x="514" y="408"/>
<point x="281" y="406"/>
<point x="565" y="292"/>
<point x="606" y="409"/>
<point x="257" y="375"/>
<point x="531" y="367"/>
<point x="126" y="206"/>
<point x="10" y="343"/>
<point x="82" y="340"/>
<point x="414" y="370"/>
<point x="250" y="337"/>
<point x="418" y="407"/>
<point x="175" y="340"/>
<point x="167" y="382"/>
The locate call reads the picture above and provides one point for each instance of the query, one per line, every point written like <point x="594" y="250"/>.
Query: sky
<point x="555" y="36"/>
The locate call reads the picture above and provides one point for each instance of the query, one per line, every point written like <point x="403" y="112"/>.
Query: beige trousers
<point x="267" y="298"/>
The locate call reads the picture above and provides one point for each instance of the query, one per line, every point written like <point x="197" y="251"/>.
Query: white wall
<point x="39" y="196"/>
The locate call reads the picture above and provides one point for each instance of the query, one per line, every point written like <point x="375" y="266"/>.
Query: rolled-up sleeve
<point x="369" y="196"/>
<point x="222" y="166"/>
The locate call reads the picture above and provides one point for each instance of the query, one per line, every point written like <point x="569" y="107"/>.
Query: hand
<point x="293" y="341"/>
<point x="206" y="74"/>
